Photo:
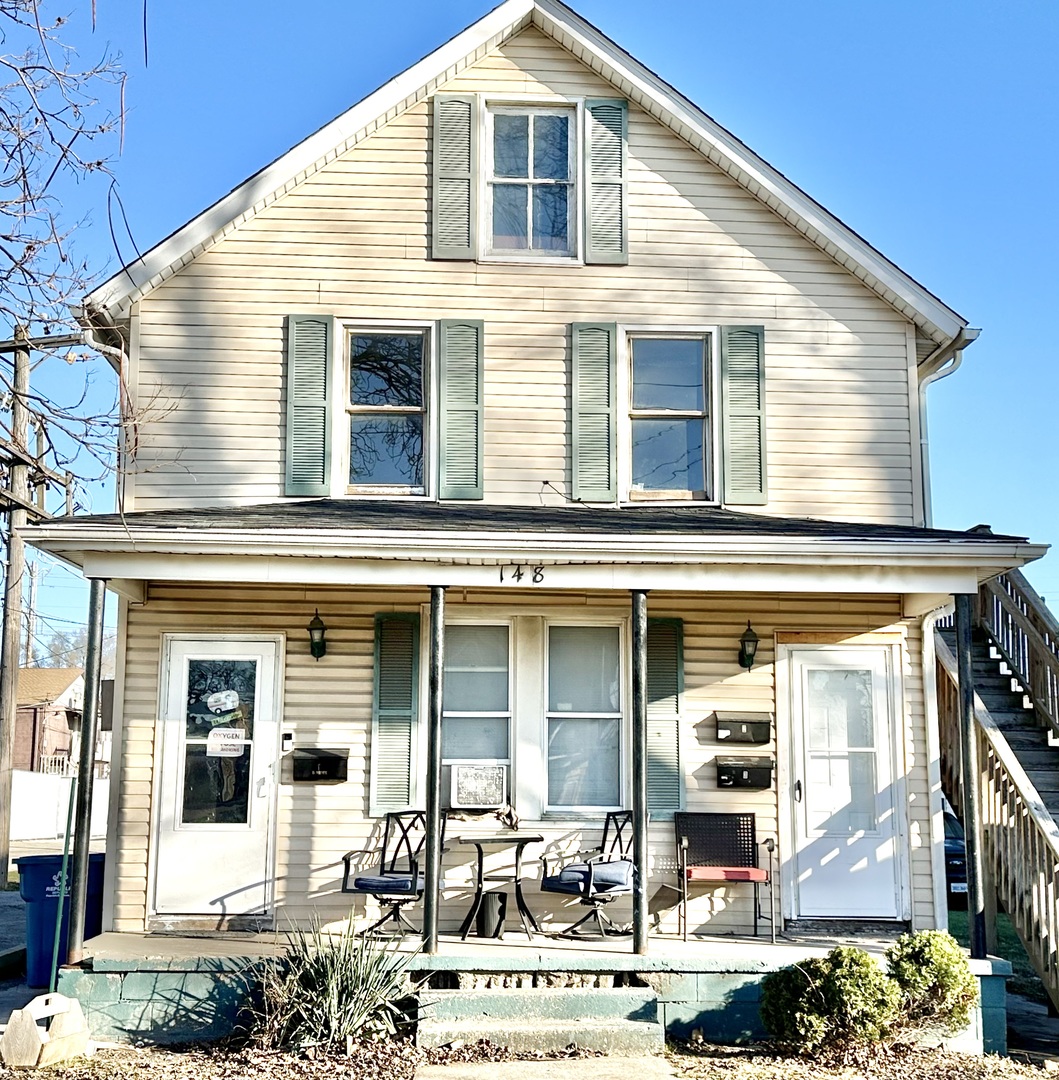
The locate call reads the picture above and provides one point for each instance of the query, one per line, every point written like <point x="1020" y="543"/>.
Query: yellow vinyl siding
<point x="352" y="240"/>
<point x="329" y="703"/>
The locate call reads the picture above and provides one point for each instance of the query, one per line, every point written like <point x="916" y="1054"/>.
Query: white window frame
<point x="623" y="714"/>
<point x="515" y="104"/>
<point x="343" y="410"/>
<point x="712" y="448"/>
<point x="509" y="761"/>
<point x="527" y="700"/>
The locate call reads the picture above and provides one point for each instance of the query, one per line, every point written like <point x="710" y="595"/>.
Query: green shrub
<point x="329" y="989"/>
<point x="831" y="1004"/>
<point x="937" y="986"/>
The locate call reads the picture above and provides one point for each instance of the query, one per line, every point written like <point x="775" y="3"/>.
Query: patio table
<point x="499" y="841"/>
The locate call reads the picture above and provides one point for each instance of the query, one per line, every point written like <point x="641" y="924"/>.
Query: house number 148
<point x="518" y="572"/>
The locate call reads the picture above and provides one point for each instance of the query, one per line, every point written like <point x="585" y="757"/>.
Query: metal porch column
<point x="639" y="769"/>
<point x="432" y="869"/>
<point x="970" y="775"/>
<point x="86" y="770"/>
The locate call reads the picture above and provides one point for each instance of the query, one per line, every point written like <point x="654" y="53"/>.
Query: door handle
<point x="797" y="791"/>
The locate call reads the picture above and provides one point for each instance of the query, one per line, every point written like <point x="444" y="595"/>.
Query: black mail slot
<point x="313" y="764"/>
<point x="733" y="727"/>
<point x="748" y="772"/>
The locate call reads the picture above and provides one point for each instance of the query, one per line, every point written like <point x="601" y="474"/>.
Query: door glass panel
<point x="220" y="700"/>
<point x="839" y="705"/>
<point x="841" y="793"/>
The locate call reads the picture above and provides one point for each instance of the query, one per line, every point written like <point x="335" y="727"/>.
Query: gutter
<point x="942" y="361"/>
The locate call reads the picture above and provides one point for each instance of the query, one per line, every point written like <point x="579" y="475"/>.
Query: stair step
<point x="617" y="1038"/>
<point x="559" y="1004"/>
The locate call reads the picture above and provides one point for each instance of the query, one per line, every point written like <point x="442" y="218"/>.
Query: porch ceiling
<point x="349" y="542"/>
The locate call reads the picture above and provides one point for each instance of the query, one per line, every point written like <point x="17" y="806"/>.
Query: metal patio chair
<point x="598" y="876"/>
<point x="722" y="848"/>
<point x="398" y="881"/>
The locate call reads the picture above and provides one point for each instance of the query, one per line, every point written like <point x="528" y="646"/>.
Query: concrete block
<point x="673" y="986"/>
<point x="88" y="987"/>
<point x="149" y="985"/>
<point x="733" y="1024"/>
<point x="723" y="988"/>
<point x="993" y="991"/>
<point x="618" y="1038"/>
<point x="632" y="1003"/>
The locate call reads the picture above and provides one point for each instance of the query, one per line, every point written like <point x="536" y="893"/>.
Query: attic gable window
<point x="670" y="416"/>
<point x="387" y="411"/>
<point x="531" y="180"/>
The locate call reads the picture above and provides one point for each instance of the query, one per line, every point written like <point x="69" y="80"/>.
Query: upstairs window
<point x="531" y="181"/>
<point x="670" y="416"/>
<point x="386" y="410"/>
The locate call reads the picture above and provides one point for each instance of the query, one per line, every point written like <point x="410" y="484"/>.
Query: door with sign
<point x="219" y="733"/>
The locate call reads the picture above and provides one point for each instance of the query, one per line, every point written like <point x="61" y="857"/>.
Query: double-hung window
<point x="670" y="416"/>
<point x="531" y="181"/>
<point x="584" y="717"/>
<point x="387" y="410"/>
<point x="476" y="710"/>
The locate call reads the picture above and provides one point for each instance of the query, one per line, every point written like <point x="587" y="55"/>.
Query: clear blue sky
<point x="929" y="127"/>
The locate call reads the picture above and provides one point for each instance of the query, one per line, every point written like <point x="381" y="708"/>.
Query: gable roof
<point x="42" y="686"/>
<point x="110" y="302"/>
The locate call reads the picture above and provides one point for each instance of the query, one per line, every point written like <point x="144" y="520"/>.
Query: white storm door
<point x="847" y="861"/>
<point x="216" y="796"/>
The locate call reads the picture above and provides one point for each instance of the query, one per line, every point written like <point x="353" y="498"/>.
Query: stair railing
<point x="1026" y="634"/>
<point x="1020" y="841"/>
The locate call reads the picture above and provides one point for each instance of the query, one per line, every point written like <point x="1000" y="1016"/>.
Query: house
<point x="532" y="388"/>
<point x="49" y="704"/>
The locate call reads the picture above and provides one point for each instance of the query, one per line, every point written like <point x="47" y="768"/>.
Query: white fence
<point x="40" y="802"/>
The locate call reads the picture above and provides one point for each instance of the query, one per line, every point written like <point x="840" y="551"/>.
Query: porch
<point x="160" y="987"/>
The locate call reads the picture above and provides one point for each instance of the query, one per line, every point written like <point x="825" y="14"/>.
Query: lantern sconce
<point x="316" y="628"/>
<point x="748" y="647"/>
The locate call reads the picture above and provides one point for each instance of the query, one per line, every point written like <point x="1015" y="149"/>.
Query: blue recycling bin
<point x="39" y="880"/>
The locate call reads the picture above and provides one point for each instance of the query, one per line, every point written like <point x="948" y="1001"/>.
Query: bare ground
<point x="398" y="1060"/>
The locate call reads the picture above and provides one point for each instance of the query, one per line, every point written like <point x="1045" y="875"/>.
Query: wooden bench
<point x="724" y="848"/>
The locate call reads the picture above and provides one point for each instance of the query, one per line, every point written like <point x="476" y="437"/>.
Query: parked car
<point x="955" y="862"/>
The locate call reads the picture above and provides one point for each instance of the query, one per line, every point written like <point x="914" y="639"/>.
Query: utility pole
<point x="31" y="614"/>
<point x="11" y="624"/>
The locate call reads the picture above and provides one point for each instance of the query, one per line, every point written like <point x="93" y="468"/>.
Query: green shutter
<point x="743" y="414"/>
<point x="394" y="710"/>
<point x="606" y="233"/>
<point x="308" y="436"/>
<point x="594" y="412"/>
<point x="461" y="360"/>
<point x="665" y="685"/>
<point x="455" y="176"/>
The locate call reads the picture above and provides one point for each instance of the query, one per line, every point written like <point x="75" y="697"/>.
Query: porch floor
<point x="512" y="952"/>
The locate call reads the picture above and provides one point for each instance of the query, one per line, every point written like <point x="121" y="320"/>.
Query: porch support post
<point x="86" y="769"/>
<point x="970" y="776"/>
<point x="639" y="769"/>
<point x="432" y="869"/>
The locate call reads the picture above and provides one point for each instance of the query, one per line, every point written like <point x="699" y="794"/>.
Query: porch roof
<point x="389" y="542"/>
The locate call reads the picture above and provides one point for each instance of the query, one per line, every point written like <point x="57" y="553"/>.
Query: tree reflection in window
<point x="386" y="409"/>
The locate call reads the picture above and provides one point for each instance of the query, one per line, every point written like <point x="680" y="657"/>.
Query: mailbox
<point x="740" y="727"/>
<point x="745" y="772"/>
<point x="315" y="765"/>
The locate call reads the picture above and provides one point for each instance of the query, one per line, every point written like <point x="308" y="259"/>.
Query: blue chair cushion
<point x="606" y="877"/>
<point x="388" y="884"/>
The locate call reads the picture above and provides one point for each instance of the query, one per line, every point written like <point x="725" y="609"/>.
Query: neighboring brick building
<point x="50" y="702"/>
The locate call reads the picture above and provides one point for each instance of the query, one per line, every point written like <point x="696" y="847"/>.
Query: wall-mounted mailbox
<point x="745" y="772"/>
<point x="740" y="727"/>
<point x="315" y="765"/>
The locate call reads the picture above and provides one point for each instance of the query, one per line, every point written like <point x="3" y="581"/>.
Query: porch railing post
<point x="86" y="773"/>
<point x="639" y="769"/>
<point x="432" y="869"/>
<point x="969" y="773"/>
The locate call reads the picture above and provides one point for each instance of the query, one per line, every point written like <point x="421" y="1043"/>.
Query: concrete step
<point x="617" y="1038"/>
<point x="621" y="1021"/>
<point x="541" y="1003"/>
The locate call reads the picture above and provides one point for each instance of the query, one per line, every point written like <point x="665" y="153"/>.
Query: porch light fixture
<point x="748" y="647"/>
<point x="317" y="645"/>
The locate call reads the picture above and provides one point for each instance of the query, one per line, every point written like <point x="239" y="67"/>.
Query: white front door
<point x="846" y="832"/>
<point x="219" y="732"/>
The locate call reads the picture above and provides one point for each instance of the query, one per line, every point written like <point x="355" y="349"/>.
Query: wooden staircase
<point x="1015" y="660"/>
